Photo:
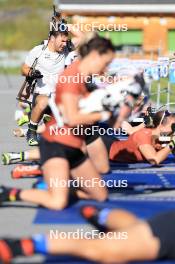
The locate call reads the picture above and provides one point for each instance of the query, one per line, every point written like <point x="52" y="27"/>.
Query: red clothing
<point x="128" y="150"/>
<point x="66" y="85"/>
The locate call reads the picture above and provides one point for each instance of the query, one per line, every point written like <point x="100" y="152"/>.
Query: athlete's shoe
<point x="11" y="248"/>
<point x="32" y="138"/>
<point x="11" y="158"/>
<point x="5" y="252"/>
<point x="22" y="171"/>
<point x="19" y="132"/>
<point x="23" y="120"/>
<point x="90" y="213"/>
<point x="4" y="194"/>
<point x="27" y="110"/>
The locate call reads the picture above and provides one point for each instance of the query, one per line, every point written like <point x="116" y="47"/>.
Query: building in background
<point x="150" y="23"/>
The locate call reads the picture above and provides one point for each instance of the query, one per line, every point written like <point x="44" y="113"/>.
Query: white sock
<point x="16" y="155"/>
<point x="33" y="123"/>
<point x="26" y="155"/>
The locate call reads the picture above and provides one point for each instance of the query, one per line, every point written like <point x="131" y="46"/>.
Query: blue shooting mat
<point x="68" y="259"/>
<point x="73" y="260"/>
<point x="168" y="163"/>
<point x="71" y="215"/>
<point x="136" y="173"/>
<point x="120" y="180"/>
<point x="149" y="178"/>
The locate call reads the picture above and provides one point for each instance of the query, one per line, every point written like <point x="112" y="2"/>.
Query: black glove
<point x="148" y="121"/>
<point x="70" y="45"/>
<point x="148" y="118"/>
<point x="35" y="74"/>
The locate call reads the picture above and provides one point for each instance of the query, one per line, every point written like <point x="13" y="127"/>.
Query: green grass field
<point x="13" y="71"/>
<point x="163" y="84"/>
<point x="11" y="4"/>
<point x="24" y="23"/>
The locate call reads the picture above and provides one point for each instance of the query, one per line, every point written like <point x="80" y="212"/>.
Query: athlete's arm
<point x="130" y="129"/>
<point x="32" y="55"/>
<point x="25" y="69"/>
<point x="76" y="34"/>
<point x="125" y="111"/>
<point x="72" y="114"/>
<point x="152" y="156"/>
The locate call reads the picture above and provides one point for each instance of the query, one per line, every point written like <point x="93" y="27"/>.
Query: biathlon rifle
<point x="28" y="86"/>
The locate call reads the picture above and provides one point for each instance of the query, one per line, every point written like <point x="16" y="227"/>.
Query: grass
<point x="163" y="97"/>
<point x="14" y="4"/>
<point x="25" y="23"/>
<point x="13" y="71"/>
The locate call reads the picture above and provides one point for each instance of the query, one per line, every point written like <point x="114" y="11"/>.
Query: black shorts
<point x="92" y="134"/>
<point x="49" y="150"/>
<point x="163" y="227"/>
<point x="108" y="141"/>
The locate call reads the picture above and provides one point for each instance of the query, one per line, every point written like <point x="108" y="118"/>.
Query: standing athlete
<point x="51" y="60"/>
<point x="50" y="64"/>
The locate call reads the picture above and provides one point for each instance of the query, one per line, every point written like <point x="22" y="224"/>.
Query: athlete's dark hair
<point x="59" y="32"/>
<point x="100" y="44"/>
<point x="161" y="117"/>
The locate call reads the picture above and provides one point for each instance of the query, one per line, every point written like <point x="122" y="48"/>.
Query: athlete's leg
<point x="21" y="132"/>
<point x="108" y="219"/>
<point x="89" y="180"/>
<point x="99" y="156"/>
<point x="130" y="244"/>
<point x="16" y="157"/>
<point x="56" y="197"/>
<point x="55" y="170"/>
<point x="135" y="243"/>
<point x="41" y="102"/>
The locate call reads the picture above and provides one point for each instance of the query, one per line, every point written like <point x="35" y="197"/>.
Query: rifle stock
<point x="26" y="90"/>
